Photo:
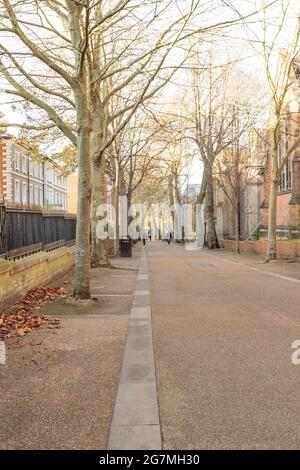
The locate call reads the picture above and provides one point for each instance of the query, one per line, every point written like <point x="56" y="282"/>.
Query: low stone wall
<point x="18" y="277"/>
<point x="285" y="249"/>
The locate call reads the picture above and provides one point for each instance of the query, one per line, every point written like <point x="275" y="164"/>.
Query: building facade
<point x="288" y="191"/>
<point x="27" y="182"/>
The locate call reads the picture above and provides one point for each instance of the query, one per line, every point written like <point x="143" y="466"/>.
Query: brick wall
<point x="18" y="277"/>
<point x="282" y="217"/>
<point x="285" y="249"/>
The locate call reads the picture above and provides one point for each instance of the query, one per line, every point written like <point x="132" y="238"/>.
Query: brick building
<point x="27" y="182"/>
<point x="288" y="195"/>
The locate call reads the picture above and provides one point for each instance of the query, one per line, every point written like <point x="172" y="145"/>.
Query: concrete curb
<point x="135" y="423"/>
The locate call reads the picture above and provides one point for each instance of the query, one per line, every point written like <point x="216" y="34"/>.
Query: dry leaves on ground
<point x="24" y="319"/>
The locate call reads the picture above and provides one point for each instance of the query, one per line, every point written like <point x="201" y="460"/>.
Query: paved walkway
<point x="58" y="387"/>
<point x="223" y="326"/>
<point x="184" y="350"/>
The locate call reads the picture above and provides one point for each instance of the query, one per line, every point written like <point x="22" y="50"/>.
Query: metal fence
<point x="3" y="230"/>
<point x="23" y="232"/>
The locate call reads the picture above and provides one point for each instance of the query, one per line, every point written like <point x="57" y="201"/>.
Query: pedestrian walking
<point x="143" y="236"/>
<point x="169" y="237"/>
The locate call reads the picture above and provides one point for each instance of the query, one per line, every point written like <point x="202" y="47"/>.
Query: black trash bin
<point x="125" y="247"/>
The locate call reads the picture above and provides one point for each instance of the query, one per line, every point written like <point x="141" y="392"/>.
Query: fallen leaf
<point x="21" y="332"/>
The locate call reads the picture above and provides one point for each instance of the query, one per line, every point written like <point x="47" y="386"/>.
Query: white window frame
<point x="24" y="192"/>
<point x="31" y="195"/>
<point x="30" y="165"/>
<point x="24" y="164"/>
<point x="17" y="191"/>
<point x="17" y="161"/>
<point x="41" y="196"/>
<point x="36" y="195"/>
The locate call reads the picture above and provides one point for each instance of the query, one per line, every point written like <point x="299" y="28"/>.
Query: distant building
<point x="191" y="193"/>
<point x="27" y="182"/>
<point x="73" y="191"/>
<point x="250" y="182"/>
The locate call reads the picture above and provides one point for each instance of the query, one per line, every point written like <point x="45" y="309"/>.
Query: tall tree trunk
<point x="82" y="257"/>
<point x="202" y="193"/>
<point x="171" y="200"/>
<point x="237" y="209"/>
<point x="211" y="233"/>
<point x="99" y="247"/>
<point x="117" y="211"/>
<point x="271" y="250"/>
<point x="200" y="224"/>
<point x="237" y="229"/>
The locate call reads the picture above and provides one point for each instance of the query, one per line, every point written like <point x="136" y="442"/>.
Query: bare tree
<point x="210" y="127"/>
<point x="281" y="80"/>
<point x="238" y="167"/>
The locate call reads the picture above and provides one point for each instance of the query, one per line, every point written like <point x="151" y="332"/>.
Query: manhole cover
<point x="202" y="266"/>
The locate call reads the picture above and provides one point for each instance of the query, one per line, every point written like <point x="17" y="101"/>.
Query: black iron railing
<point x="26" y="231"/>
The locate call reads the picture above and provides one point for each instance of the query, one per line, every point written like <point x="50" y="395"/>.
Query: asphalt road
<point x="222" y="335"/>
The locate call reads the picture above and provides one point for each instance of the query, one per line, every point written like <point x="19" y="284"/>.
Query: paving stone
<point x="141" y="301"/>
<point x="142" y="292"/>
<point x="135" y="438"/>
<point x="138" y="372"/>
<point x="143" y="328"/>
<point x="142" y="356"/>
<point x="142" y="285"/>
<point x="140" y="312"/>
<point x="138" y="342"/>
<point x="136" y="403"/>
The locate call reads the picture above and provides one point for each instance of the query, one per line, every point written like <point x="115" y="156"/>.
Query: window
<point x="285" y="181"/>
<point x="30" y="168"/>
<point x="24" y="165"/>
<point x="30" y="194"/>
<point x="36" y="195"/>
<point x="24" y="192"/>
<point x="17" y="191"/>
<point x="17" y="162"/>
<point x="41" y="197"/>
